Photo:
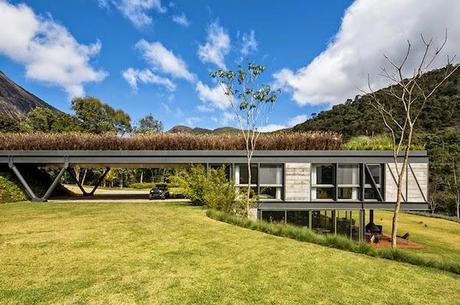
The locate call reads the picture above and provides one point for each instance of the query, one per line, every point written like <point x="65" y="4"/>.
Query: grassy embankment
<point x="167" y="253"/>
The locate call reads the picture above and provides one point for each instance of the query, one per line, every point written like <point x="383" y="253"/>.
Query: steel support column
<point x="24" y="183"/>
<point x="55" y="183"/>
<point x="72" y="173"/>
<point x="28" y="189"/>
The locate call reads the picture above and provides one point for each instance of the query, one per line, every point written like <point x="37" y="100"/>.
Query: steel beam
<point x="55" y="183"/>
<point x="99" y="181"/>
<point x="24" y="183"/>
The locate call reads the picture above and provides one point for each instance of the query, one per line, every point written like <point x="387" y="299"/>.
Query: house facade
<point x="331" y="190"/>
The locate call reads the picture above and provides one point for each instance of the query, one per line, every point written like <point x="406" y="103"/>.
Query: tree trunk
<point x="394" y="227"/>
<point x="142" y="176"/>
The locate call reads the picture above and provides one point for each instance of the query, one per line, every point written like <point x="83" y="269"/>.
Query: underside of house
<point x="330" y="191"/>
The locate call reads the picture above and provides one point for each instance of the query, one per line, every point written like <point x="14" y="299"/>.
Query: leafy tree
<point x="9" y="124"/>
<point x="251" y="103"/>
<point x="48" y="120"/>
<point x="149" y="124"/>
<point x="97" y="117"/>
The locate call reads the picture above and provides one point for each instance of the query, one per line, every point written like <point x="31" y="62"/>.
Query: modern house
<point x="328" y="190"/>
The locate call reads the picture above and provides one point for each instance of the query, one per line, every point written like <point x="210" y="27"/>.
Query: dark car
<point x="159" y="191"/>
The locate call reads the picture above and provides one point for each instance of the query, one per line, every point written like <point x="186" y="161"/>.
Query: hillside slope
<point x="15" y="101"/>
<point x="357" y="117"/>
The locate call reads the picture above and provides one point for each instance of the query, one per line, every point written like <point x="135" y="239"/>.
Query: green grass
<point x="441" y="237"/>
<point x="9" y="190"/>
<point x="377" y="142"/>
<point x="339" y="242"/>
<point x="167" y="253"/>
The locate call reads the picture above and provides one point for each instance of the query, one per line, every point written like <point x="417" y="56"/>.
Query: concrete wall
<point x="420" y="174"/>
<point x="297" y="181"/>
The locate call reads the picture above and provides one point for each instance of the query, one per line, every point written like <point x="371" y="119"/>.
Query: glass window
<point x="242" y="175"/>
<point x="376" y="172"/>
<point x="324" y="193"/>
<point x="273" y="216"/>
<point x="271" y="175"/>
<point x="270" y="192"/>
<point x="348" y="181"/>
<point x="348" y="174"/>
<point x="324" y="174"/>
<point x="299" y="218"/>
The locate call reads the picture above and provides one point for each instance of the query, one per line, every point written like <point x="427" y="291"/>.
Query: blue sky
<point x="152" y="56"/>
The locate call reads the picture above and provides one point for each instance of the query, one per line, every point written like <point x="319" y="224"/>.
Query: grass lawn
<point x="440" y="237"/>
<point x="169" y="253"/>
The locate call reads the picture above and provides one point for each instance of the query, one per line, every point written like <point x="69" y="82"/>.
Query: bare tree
<point x="251" y="104"/>
<point x="411" y="95"/>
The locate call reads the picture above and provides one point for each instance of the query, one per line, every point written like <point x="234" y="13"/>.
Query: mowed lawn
<point x="171" y="253"/>
<point x="441" y="238"/>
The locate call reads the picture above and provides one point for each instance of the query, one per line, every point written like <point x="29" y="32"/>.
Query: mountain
<point x="15" y="101"/>
<point x="357" y="117"/>
<point x="198" y="130"/>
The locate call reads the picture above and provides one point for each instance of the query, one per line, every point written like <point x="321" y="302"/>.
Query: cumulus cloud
<point x="248" y="43"/>
<point x="136" y="11"/>
<point x="212" y="96"/>
<point x="370" y="29"/>
<point x="47" y="50"/>
<point x="164" y="60"/>
<point x="181" y="20"/>
<point x="216" y="47"/>
<point x="135" y="76"/>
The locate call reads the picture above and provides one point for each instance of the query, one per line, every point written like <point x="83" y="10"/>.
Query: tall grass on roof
<point x="167" y="141"/>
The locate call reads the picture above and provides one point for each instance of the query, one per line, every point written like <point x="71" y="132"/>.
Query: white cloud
<point x="216" y="47"/>
<point x="48" y="51"/>
<point x="134" y="76"/>
<point x="370" y="29"/>
<point x="249" y="43"/>
<point x="290" y="123"/>
<point x="164" y="60"/>
<point x="214" y="97"/>
<point x="297" y="120"/>
<point x="271" y="127"/>
<point x="181" y="20"/>
<point x="137" y="10"/>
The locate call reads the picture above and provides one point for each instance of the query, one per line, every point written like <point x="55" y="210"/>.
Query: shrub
<point x="9" y="190"/>
<point x="141" y="186"/>
<point x="192" y="181"/>
<point x="378" y="142"/>
<point x="334" y="241"/>
<point x="220" y="194"/>
<point x="167" y="141"/>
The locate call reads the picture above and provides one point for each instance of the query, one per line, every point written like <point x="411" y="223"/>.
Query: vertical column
<point x="362" y="219"/>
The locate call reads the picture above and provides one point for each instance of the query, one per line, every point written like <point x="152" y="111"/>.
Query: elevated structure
<point x="291" y="184"/>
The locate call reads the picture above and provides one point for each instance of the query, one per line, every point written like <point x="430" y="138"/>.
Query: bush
<point x="220" y="194"/>
<point x="141" y="186"/>
<point x="378" y="142"/>
<point x="167" y="141"/>
<point x="334" y="241"/>
<point x="9" y="190"/>
<point x="192" y="181"/>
